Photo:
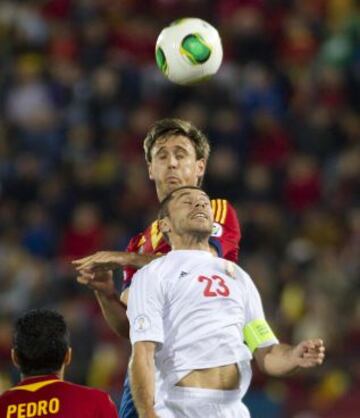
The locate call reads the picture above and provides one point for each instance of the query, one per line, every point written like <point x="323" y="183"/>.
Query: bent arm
<point x="114" y="312"/>
<point x="275" y="360"/>
<point x="142" y="378"/>
<point x="113" y="306"/>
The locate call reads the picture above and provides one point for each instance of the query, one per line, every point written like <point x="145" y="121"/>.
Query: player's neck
<point x="192" y="242"/>
<point x="60" y="374"/>
<point x="160" y="193"/>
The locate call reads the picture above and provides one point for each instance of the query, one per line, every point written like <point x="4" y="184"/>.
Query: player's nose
<point x="172" y="161"/>
<point x="200" y="203"/>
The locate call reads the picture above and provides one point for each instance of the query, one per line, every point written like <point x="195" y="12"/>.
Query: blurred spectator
<point x="84" y="235"/>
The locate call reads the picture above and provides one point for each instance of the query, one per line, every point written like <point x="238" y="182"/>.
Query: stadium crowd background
<point x="78" y="91"/>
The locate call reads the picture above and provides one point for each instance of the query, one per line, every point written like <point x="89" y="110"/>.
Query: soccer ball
<point x="188" y="51"/>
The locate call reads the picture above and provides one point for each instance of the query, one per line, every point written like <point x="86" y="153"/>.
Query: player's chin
<point x="172" y="185"/>
<point x="202" y="225"/>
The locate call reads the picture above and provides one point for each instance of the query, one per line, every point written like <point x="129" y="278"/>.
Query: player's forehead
<point x="172" y="142"/>
<point x="190" y="193"/>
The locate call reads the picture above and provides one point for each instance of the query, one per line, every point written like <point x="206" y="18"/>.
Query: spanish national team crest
<point x="217" y="230"/>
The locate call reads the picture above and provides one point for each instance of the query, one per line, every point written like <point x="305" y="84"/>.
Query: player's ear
<point x="200" y="167"/>
<point x="164" y="225"/>
<point x="151" y="177"/>
<point x="68" y="356"/>
<point x="14" y="358"/>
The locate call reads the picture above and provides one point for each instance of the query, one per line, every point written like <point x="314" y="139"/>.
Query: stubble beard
<point x="200" y="235"/>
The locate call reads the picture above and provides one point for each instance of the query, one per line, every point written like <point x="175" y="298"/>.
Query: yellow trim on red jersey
<point x="219" y="208"/>
<point x="141" y="241"/>
<point x="155" y="234"/>
<point x="213" y="206"/>
<point x="224" y="212"/>
<point x="33" y="387"/>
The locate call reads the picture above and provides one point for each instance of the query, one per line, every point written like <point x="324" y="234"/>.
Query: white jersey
<point x="195" y="305"/>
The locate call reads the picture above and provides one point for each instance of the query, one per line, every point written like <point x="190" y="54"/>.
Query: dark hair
<point x="167" y="127"/>
<point x="41" y="340"/>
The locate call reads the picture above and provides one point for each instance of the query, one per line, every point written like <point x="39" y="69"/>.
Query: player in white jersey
<point x="198" y="322"/>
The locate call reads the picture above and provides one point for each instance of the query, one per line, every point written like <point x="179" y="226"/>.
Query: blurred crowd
<point x="78" y="91"/>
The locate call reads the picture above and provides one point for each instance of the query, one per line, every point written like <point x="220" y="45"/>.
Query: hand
<point x="309" y="353"/>
<point x="104" y="260"/>
<point x="99" y="280"/>
<point x="124" y="297"/>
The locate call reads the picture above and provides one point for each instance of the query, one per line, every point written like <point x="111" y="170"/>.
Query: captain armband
<point x="257" y="333"/>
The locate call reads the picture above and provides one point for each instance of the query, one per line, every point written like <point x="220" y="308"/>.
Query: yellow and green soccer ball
<point x="188" y="51"/>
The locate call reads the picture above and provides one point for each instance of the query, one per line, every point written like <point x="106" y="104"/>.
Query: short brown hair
<point x="171" y="126"/>
<point x="164" y="204"/>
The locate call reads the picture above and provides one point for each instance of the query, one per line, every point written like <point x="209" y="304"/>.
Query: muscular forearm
<point x="142" y="381"/>
<point x="141" y="260"/>
<point x="114" y="313"/>
<point x="282" y="359"/>
<point x="279" y="360"/>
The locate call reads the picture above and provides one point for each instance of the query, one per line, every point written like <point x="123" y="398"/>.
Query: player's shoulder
<point x="158" y="268"/>
<point x="150" y="240"/>
<point x="235" y="271"/>
<point x="135" y="242"/>
<point x="86" y="391"/>
<point x="223" y="210"/>
<point x="5" y="395"/>
<point x="156" y="265"/>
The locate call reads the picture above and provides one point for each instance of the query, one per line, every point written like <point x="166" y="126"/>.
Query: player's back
<point x="48" y="396"/>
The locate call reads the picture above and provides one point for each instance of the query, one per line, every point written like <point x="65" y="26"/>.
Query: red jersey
<point x="50" y="397"/>
<point x="225" y="237"/>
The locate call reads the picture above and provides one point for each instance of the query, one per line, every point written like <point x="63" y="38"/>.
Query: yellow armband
<point x="256" y="333"/>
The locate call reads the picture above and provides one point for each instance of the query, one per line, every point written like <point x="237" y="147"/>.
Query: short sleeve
<point x="146" y="306"/>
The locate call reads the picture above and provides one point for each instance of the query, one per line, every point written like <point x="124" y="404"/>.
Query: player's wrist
<point x="292" y="359"/>
<point x="134" y="259"/>
<point x="108" y="294"/>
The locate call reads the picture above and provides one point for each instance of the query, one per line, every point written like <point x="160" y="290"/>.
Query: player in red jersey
<point x="176" y="153"/>
<point x="41" y="351"/>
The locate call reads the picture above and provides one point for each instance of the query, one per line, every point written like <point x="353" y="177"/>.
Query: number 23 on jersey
<point x="214" y="286"/>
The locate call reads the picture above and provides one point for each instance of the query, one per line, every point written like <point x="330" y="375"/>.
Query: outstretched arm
<point x="142" y="378"/>
<point x="95" y="271"/>
<point x="282" y="359"/>
<point x="110" y="260"/>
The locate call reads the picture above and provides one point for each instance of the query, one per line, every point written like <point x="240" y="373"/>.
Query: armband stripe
<point x="256" y="333"/>
<point x="224" y="213"/>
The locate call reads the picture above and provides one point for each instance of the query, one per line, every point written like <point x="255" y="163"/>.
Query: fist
<point x="309" y="353"/>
